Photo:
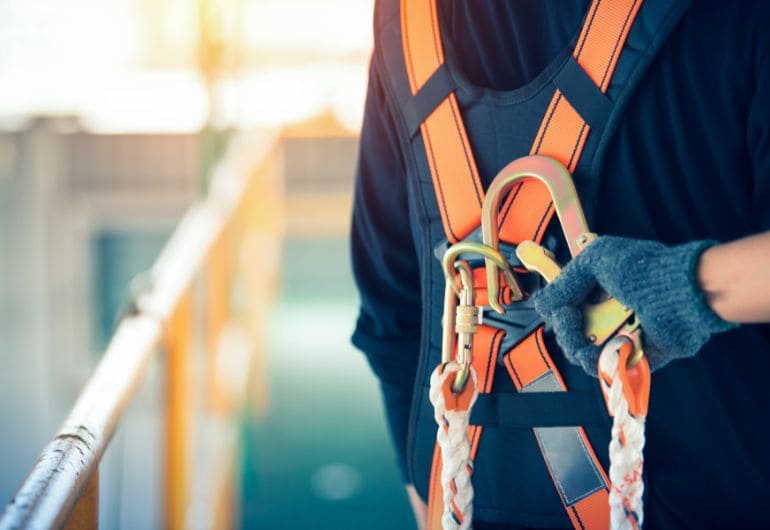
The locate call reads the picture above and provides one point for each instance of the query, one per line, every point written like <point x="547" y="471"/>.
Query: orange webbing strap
<point x="563" y="133"/>
<point x="455" y="178"/>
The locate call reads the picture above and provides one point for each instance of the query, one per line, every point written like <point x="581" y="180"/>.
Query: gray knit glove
<point x="656" y="281"/>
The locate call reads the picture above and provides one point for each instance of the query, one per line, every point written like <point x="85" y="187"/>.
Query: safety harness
<point x="517" y="208"/>
<point x="623" y="371"/>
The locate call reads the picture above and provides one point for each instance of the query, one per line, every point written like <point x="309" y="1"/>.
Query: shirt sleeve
<point x="384" y="263"/>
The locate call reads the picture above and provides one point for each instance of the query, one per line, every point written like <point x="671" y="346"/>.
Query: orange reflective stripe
<point x="603" y="36"/>
<point x="423" y="49"/>
<point x="455" y="179"/>
<point x="452" y="166"/>
<point x="566" y="139"/>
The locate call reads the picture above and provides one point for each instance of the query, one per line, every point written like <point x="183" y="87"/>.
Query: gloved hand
<point x="656" y="281"/>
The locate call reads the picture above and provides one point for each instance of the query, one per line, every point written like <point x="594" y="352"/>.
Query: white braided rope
<point x="626" y="458"/>
<point x="455" y="446"/>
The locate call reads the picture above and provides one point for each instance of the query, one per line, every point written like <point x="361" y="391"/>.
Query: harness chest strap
<point x="525" y="215"/>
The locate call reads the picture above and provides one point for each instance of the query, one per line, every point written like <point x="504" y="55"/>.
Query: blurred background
<point x="114" y="114"/>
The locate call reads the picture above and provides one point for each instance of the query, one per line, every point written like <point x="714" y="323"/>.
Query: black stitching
<point x="435" y="30"/>
<point x="577" y="516"/>
<point x="542" y="219"/>
<point x="476" y="432"/>
<point x="548" y="121"/>
<point x="540" y="350"/>
<point x="429" y="146"/>
<point x="590" y="23"/>
<point x="575" y="148"/>
<point x="617" y="42"/>
<point x="510" y="203"/>
<point x="514" y="373"/>
<point x="410" y="63"/>
<point x="493" y="347"/>
<point x="465" y="151"/>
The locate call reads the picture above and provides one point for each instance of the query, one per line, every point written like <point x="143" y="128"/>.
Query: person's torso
<point x="675" y="169"/>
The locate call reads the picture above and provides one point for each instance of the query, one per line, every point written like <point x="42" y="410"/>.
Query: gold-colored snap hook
<point x="460" y="321"/>
<point x="566" y="203"/>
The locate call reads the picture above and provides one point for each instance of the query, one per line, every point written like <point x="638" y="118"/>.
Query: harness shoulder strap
<point x="452" y="165"/>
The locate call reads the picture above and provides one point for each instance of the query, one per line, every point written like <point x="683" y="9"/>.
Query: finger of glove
<point x="570" y="288"/>
<point x="567" y="324"/>
<point x="588" y="359"/>
<point x="657" y="357"/>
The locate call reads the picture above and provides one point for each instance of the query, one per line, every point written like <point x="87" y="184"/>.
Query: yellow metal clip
<point x="461" y="316"/>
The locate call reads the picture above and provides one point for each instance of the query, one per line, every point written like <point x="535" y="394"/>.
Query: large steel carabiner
<point x="565" y="200"/>
<point x="603" y="320"/>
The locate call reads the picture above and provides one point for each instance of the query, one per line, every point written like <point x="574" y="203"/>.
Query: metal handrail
<point x="70" y="461"/>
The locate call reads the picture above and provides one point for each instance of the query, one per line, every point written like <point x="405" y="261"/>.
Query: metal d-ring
<point x="490" y="255"/>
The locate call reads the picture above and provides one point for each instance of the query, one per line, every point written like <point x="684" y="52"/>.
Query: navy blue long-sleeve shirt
<point x="690" y="160"/>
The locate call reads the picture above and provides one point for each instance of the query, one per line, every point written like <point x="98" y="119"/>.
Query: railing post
<point x="177" y="450"/>
<point x="85" y="514"/>
<point x="217" y="275"/>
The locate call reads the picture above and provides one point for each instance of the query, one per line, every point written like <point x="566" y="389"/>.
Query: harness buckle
<point x="506" y="250"/>
<point x="519" y="321"/>
<point x="603" y="320"/>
